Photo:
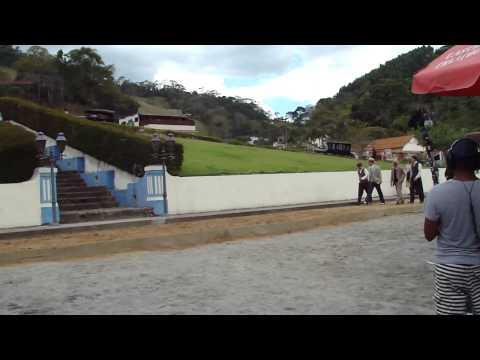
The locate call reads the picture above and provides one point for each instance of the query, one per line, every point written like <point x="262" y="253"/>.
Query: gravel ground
<point x="375" y="267"/>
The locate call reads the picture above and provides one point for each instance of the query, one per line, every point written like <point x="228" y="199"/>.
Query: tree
<point x="444" y="134"/>
<point x="39" y="66"/>
<point x="9" y="54"/>
<point x="85" y="73"/>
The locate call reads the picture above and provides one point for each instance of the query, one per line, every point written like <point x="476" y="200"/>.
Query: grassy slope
<point x="207" y="158"/>
<point x="151" y="105"/>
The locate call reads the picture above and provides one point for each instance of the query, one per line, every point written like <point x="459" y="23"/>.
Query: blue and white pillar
<point x="151" y="189"/>
<point x="46" y="195"/>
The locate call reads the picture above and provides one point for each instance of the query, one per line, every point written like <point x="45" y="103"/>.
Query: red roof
<point x="165" y="120"/>
<point x="390" y="143"/>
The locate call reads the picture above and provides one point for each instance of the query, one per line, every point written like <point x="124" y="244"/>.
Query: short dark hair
<point x="359" y="164"/>
<point x="465" y="153"/>
<point x="466" y="163"/>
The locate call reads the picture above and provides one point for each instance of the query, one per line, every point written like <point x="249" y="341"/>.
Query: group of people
<point x="371" y="178"/>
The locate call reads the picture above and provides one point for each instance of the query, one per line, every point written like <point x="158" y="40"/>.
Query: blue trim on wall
<point x="46" y="198"/>
<point x="72" y="164"/>
<point x="157" y="205"/>
<point x="47" y="215"/>
<point x="151" y="185"/>
<point x="100" y="178"/>
<point x="121" y="198"/>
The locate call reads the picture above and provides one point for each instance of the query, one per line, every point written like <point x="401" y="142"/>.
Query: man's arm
<point x="419" y="175"/>
<point x="431" y="229"/>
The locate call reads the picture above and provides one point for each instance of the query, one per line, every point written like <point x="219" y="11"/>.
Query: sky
<point x="278" y="77"/>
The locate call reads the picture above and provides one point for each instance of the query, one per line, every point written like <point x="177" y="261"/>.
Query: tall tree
<point x="9" y="54"/>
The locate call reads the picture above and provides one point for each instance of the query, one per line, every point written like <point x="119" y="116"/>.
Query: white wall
<point x="214" y="193"/>
<point x="20" y="203"/>
<point x="134" y="118"/>
<point x="170" y="127"/>
<point x="122" y="178"/>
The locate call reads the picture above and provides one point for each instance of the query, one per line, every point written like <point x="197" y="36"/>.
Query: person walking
<point x="362" y="182"/>
<point x="452" y="215"/>
<point x="415" y="180"/>
<point x="375" y="180"/>
<point x="396" y="180"/>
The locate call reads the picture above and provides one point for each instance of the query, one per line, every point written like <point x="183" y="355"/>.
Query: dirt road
<point x="373" y="267"/>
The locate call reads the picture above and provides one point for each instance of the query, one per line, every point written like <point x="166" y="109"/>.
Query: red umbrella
<point x="455" y="73"/>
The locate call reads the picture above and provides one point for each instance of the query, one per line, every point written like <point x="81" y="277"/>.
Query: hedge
<point x="17" y="154"/>
<point x="110" y="143"/>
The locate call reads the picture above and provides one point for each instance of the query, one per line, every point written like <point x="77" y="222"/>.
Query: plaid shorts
<point x="457" y="289"/>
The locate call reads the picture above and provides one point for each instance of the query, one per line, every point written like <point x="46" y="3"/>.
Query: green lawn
<point x="208" y="158"/>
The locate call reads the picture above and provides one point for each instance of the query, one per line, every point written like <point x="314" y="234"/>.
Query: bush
<point x="110" y="143"/>
<point x="17" y="154"/>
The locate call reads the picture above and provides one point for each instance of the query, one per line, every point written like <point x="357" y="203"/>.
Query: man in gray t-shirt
<point x="452" y="213"/>
<point x="449" y="204"/>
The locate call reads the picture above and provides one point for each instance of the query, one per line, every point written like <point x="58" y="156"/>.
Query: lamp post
<point x="429" y="147"/>
<point x="61" y="143"/>
<point x="164" y="152"/>
<point x="43" y="157"/>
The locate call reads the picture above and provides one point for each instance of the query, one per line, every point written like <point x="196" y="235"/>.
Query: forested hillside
<point x="380" y="104"/>
<point x="223" y="117"/>
<point x="80" y="79"/>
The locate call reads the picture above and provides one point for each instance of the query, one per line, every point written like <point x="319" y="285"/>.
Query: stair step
<point x="83" y="194"/>
<point x="60" y="177"/>
<point x="88" y="206"/>
<point x="70" y="183"/>
<point x="67" y="217"/>
<point x="76" y="189"/>
<point x="84" y="200"/>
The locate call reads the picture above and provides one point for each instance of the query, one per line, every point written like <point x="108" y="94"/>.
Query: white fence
<point x="215" y="193"/>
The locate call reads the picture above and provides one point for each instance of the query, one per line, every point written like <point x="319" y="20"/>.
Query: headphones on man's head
<point x="461" y="149"/>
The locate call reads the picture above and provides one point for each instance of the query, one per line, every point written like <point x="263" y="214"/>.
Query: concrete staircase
<point x="80" y="203"/>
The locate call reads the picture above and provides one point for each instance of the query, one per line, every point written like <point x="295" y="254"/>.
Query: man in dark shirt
<point x="414" y="177"/>
<point x="362" y="182"/>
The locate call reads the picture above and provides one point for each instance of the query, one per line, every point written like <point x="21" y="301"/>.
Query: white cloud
<point x="303" y="73"/>
<point x="317" y="78"/>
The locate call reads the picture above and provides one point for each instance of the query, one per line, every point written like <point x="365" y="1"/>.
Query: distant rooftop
<point x="163" y="112"/>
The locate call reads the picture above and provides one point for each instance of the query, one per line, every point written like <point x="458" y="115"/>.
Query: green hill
<point x="208" y="158"/>
<point x="380" y="103"/>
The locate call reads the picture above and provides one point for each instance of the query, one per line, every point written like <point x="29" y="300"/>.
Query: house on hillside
<point x="320" y="142"/>
<point x="339" y="147"/>
<point x="101" y="115"/>
<point x="169" y="120"/>
<point x="253" y="140"/>
<point x="400" y="147"/>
